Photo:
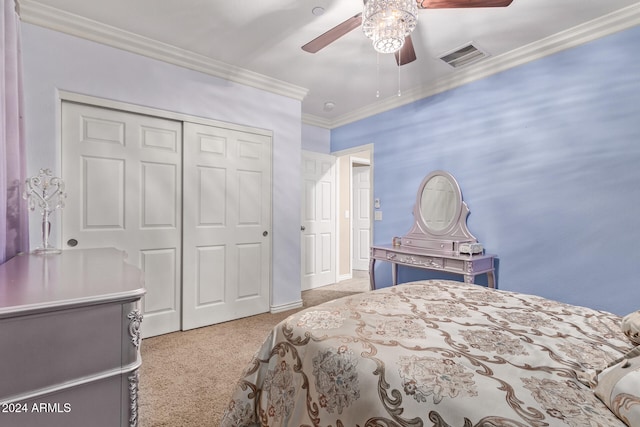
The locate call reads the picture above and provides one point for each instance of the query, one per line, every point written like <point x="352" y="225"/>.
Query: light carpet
<point x="187" y="378"/>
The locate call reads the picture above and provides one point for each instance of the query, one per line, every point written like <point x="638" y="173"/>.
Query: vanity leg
<point x="372" y="279"/>
<point x="394" y="274"/>
<point x="468" y="278"/>
<point x="491" y="278"/>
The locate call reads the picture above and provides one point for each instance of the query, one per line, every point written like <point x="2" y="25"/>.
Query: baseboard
<point x="284" y="307"/>
<point x="345" y="277"/>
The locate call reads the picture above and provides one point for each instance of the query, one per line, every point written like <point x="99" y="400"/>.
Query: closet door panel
<point x="123" y="176"/>
<point x="227" y="224"/>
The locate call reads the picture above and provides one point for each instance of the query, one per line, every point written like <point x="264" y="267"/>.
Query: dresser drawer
<point x="48" y="349"/>
<point x="97" y="404"/>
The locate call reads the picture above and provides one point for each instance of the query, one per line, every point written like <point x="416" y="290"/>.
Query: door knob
<point x="265" y="233"/>
<point x="303" y="228"/>
<point x="72" y="242"/>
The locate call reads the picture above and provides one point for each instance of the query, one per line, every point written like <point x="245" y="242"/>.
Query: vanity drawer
<point x="424" y="261"/>
<point x="429" y="245"/>
<point x="378" y="253"/>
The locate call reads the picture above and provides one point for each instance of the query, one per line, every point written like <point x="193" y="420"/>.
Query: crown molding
<point x="614" y="22"/>
<point x="48" y="17"/>
<point x="313" y="120"/>
<point x="55" y="19"/>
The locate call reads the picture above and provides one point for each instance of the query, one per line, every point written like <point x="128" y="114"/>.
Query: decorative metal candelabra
<point x="46" y="191"/>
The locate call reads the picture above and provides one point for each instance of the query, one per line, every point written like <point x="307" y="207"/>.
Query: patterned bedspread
<point x="431" y="353"/>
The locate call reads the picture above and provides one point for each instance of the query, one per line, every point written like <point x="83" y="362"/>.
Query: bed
<point x="441" y="353"/>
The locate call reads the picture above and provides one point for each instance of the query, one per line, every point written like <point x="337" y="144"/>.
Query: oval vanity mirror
<point x="440" y="216"/>
<point x="440" y="202"/>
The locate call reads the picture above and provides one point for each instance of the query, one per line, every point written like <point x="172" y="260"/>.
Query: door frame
<point x="344" y="155"/>
<point x="164" y="114"/>
<point x="357" y="162"/>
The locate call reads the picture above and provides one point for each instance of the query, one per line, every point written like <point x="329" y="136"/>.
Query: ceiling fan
<point x="404" y="51"/>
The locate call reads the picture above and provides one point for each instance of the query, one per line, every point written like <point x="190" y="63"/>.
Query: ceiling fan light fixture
<point x="388" y="22"/>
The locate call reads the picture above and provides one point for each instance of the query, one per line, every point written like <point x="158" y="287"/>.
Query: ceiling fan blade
<point x="333" y="34"/>
<point x="447" y="4"/>
<point x="407" y="53"/>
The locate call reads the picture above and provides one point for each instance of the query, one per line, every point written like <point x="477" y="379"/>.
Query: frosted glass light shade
<point x="388" y="22"/>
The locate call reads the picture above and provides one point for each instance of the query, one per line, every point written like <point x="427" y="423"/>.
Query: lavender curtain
<point x="14" y="234"/>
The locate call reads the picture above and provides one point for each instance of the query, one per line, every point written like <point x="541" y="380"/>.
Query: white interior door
<point x="318" y="220"/>
<point x="123" y="179"/>
<point x="227" y="224"/>
<point x="361" y="218"/>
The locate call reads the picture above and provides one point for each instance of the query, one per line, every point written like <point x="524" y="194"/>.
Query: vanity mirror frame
<point x="447" y="239"/>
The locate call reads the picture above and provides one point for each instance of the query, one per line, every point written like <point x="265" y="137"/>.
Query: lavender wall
<point x="54" y="61"/>
<point x="316" y="139"/>
<point x="548" y="158"/>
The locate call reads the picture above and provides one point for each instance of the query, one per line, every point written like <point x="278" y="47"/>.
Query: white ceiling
<point x="265" y="37"/>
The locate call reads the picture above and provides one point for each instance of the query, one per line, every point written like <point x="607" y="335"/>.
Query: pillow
<point x="619" y="388"/>
<point x="631" y="327"/>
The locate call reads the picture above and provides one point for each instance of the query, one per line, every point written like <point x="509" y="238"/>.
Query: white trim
<point x="345" y="277"/>
<point x="606" y="25"/>
<point x="360" y="161"/>
<point x="285" y="307"/>
<point x="347" y="151"/>
<point x="55" y="19"/>
<point x="64" y="95"/>
<point x="310" y="119"/>
<point x="338" y="213"/>
<point x="351" y="214"/>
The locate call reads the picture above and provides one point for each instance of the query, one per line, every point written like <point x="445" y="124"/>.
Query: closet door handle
<point x="265" y="233"/>
<point x="302" y="227"/>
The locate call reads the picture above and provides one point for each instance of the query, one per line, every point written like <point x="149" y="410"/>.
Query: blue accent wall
<point x="547" y="155"/>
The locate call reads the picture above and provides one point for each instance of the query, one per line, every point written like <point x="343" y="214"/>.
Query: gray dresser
<point x="70" y="339"/>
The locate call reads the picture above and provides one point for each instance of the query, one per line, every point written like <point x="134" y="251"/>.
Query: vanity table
<point x="70" y="339"/>
<point x="468" y="266"/>
<point x="439" y="239"/>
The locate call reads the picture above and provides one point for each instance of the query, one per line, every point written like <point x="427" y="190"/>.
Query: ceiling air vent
<point x="463" y="56"/>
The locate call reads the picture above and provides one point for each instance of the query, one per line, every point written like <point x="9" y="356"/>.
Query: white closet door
<point x="227" y="224"/>
<point x="318" y="220"/>
<point x="123" y="179"/>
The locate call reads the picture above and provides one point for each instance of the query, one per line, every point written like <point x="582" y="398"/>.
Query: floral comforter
<point x="431" y="353"/>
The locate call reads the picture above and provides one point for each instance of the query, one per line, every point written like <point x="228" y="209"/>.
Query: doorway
<point x="353" y="220"/>
<point x="361" y="213"/>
